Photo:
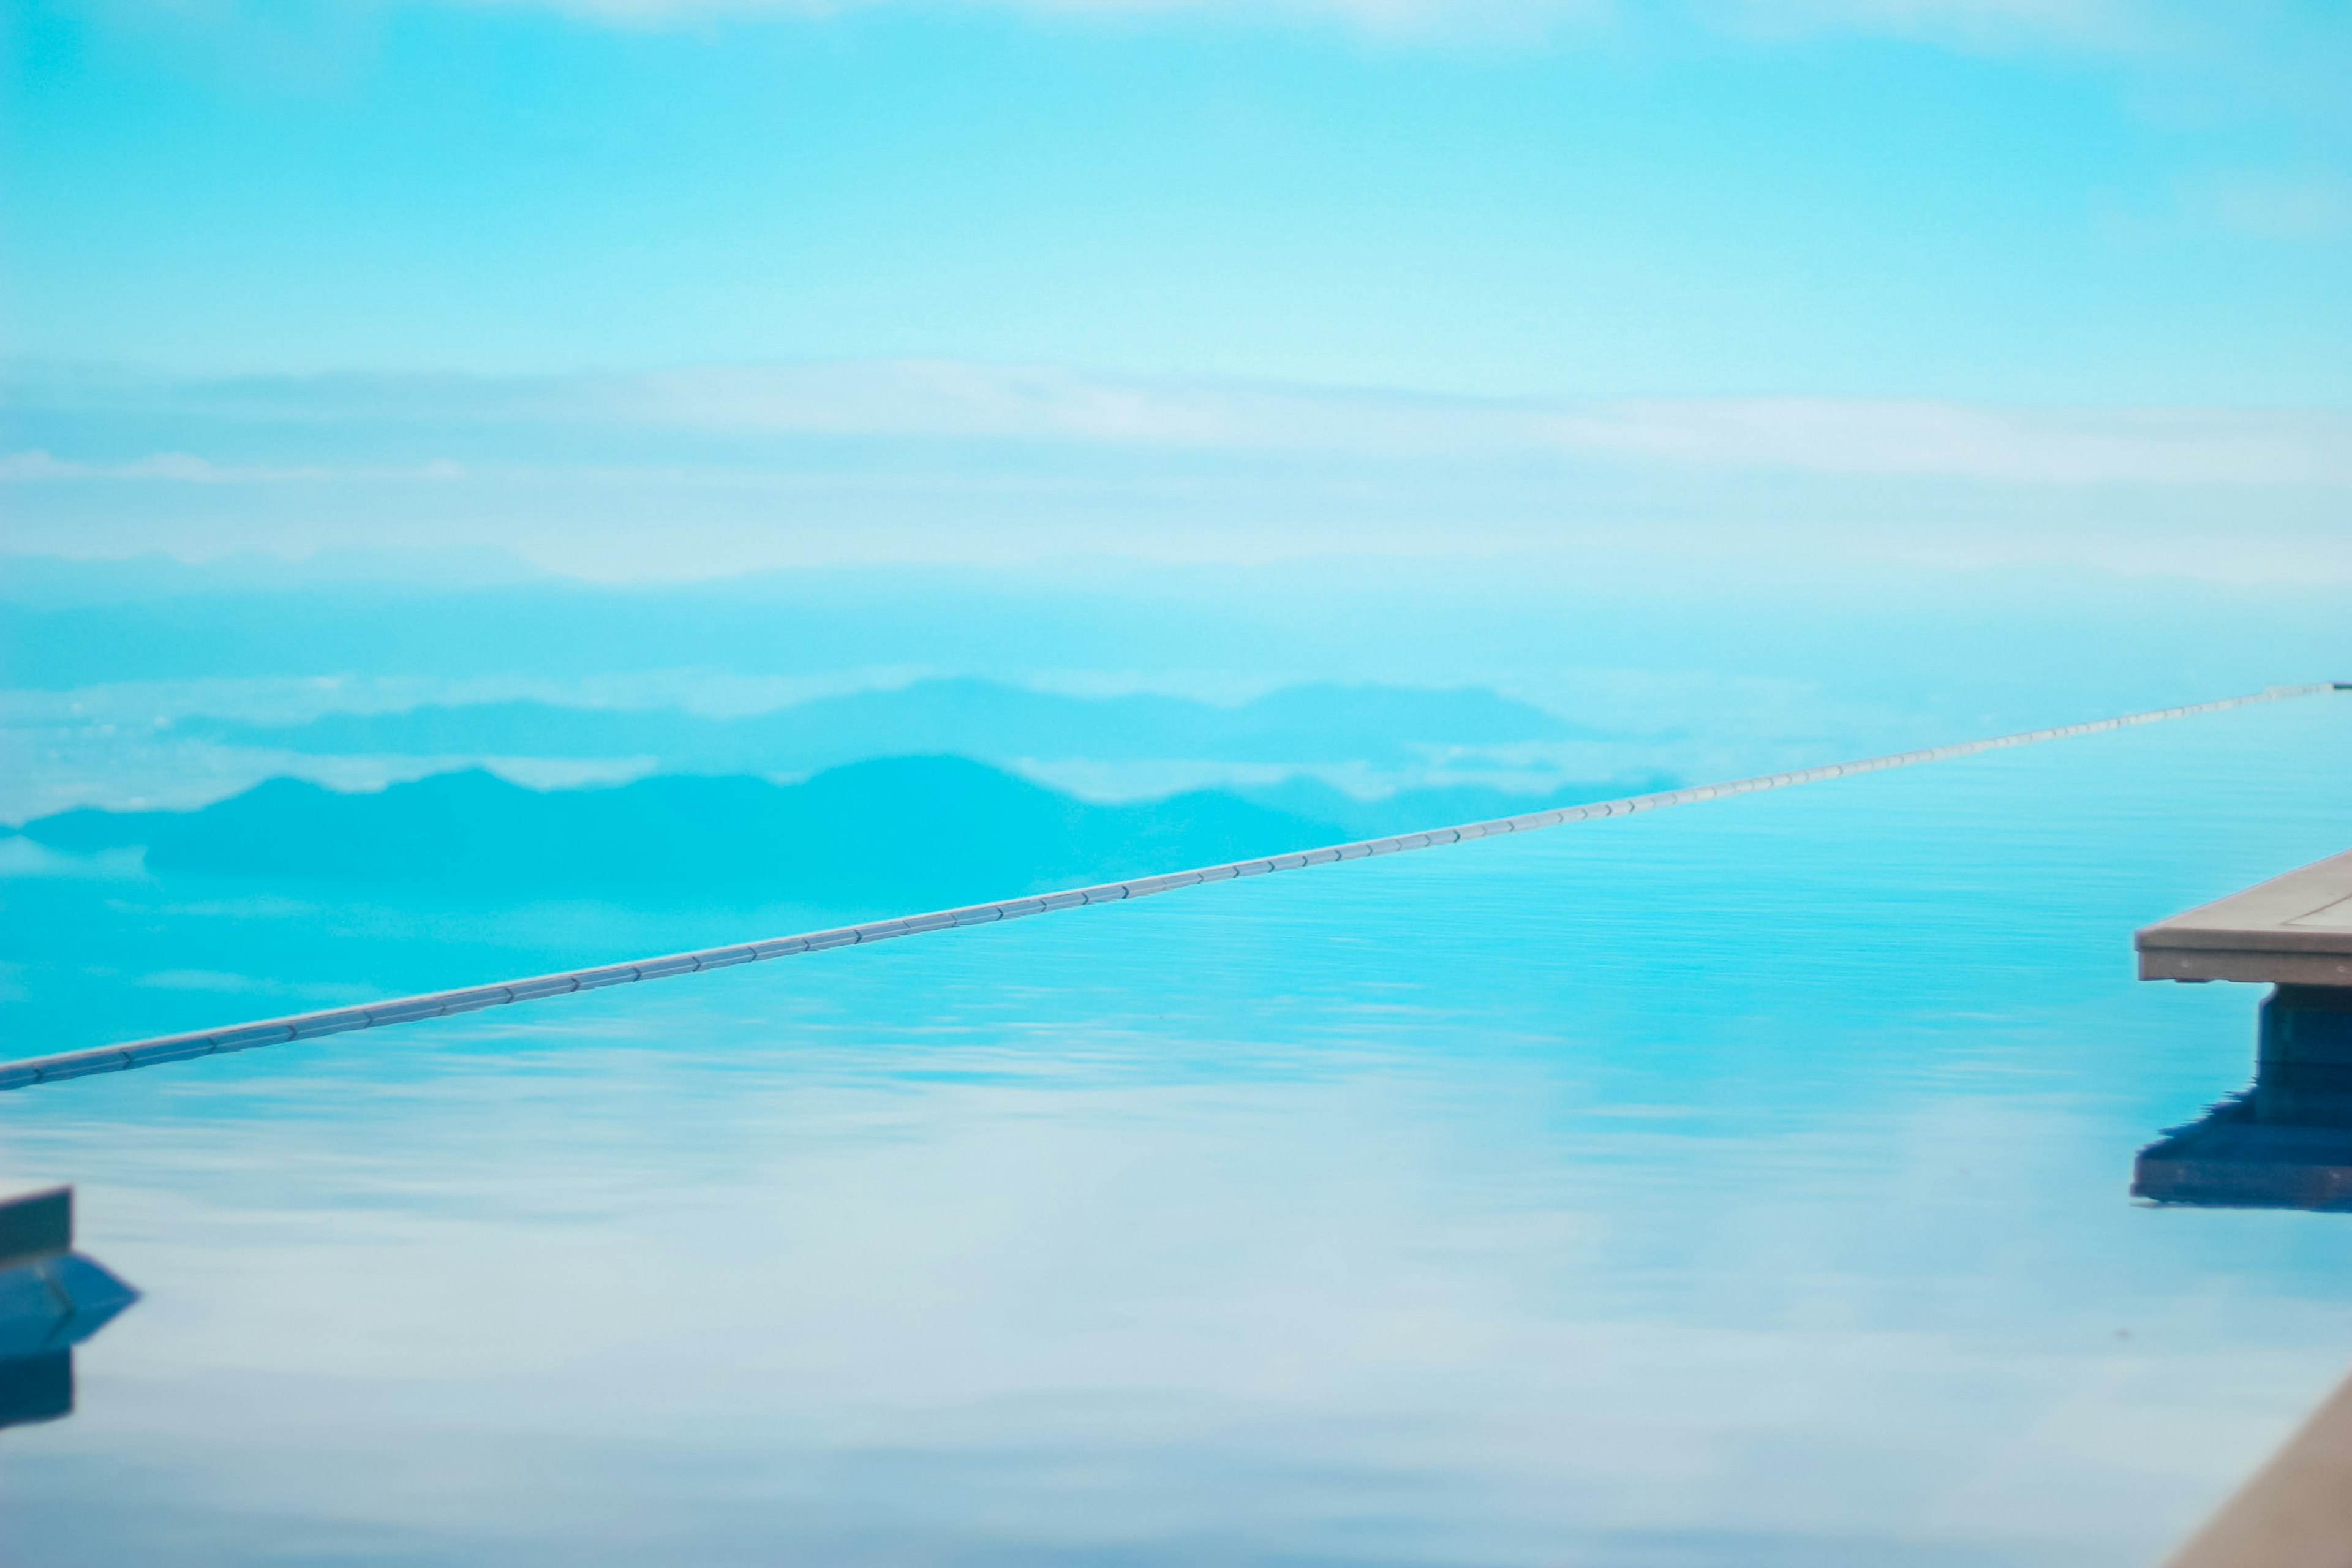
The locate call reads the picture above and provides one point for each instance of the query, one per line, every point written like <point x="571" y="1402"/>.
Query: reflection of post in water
<point x="51" y="1299"/>
<point x="2286" y="1142"/>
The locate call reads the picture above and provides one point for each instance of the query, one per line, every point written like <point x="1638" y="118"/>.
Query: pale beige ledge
<point x="2295" y="930"/>
<point x="2296" y="1512"/>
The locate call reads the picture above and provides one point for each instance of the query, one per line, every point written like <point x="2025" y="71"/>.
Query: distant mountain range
<point x="928" y="829"/>
<point x="1382" y="725"/>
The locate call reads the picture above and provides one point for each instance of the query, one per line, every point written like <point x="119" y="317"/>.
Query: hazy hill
<point x="1408" y="811"/>
<point x="1378" y="724"/>
<point x="920" y="829"/>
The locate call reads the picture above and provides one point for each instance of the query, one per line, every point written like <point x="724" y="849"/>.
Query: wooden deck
<point x="2295" y="930"/>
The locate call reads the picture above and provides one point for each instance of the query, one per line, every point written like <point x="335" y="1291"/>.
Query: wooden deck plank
<point x="2295" y="930"/>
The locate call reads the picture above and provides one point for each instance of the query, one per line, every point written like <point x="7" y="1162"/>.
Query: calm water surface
<point x="1742" y="1184"/>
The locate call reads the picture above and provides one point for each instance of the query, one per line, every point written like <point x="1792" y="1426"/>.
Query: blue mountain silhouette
<point x="968" y="717"/>
<point x="930" y="826"/>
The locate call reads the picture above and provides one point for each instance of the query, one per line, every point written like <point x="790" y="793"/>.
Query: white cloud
<point x="2095" y="24"/>
<point x="1815" y="435"/>
<point x="182" y="466"/>
<point x="1948" y="440"/>
<point x="2291" y="207"/>
<point x="36" y="465"/>
<point x="708" y="471"/>
<point x="2102" y="25"/>
<point x="1044" y="405"/>
<point x="1381" y="17"/>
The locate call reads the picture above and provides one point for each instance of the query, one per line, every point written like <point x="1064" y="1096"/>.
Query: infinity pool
<point x="1739" y="1185"/>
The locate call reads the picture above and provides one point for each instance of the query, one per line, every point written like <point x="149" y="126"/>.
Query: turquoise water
<point x="1739" y="1184"/>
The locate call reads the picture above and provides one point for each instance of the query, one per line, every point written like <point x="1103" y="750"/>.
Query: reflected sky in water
<point x="1742" y="1185"/>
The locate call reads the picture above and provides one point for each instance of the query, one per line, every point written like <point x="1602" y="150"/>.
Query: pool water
<point x="1743" y="1184"/>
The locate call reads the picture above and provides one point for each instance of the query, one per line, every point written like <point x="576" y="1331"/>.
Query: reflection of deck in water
<point x="51" y="1299"/>
<point x="2286" y="1142"/>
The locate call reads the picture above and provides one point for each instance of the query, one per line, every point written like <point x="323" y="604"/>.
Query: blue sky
<point x="2110" y="204"/>
<point x="2098" y="249"/>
